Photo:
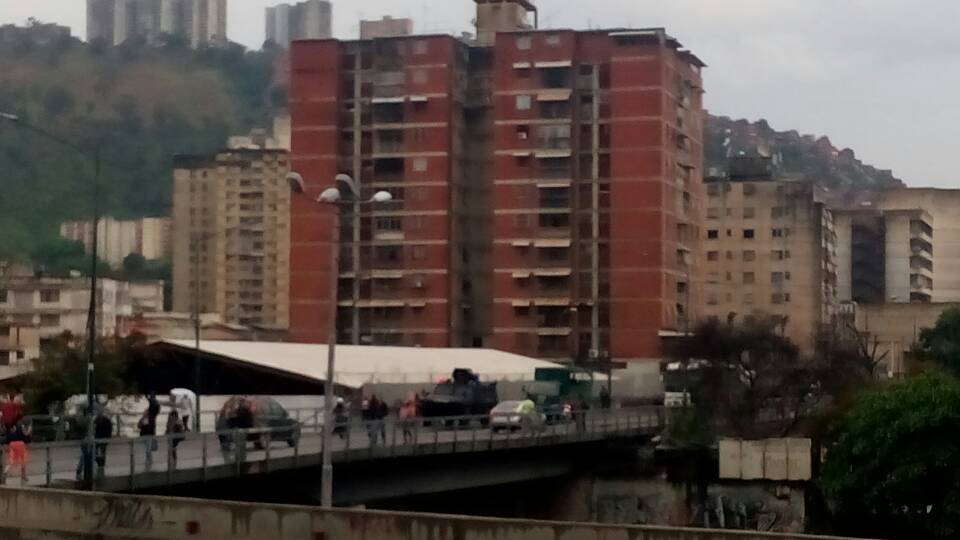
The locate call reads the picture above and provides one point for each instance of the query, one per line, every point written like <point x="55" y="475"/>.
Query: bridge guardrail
<point x="169" y="459"/>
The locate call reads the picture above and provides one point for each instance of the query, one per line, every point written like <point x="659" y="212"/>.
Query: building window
<point x="749" y="190"/>
<point x="420" y="76"/>
<point x="748" y="234"/>
<point x="780" y="211"/>
<point x="713" y="213"/>
<point x="749" y="256"/>
<point x="713" y="277"/>
<point x="712" y="299"/>
<point x="713" y="190"/>
<point x="3" y="296"/>
<point x="523" y="132"/>
<point x="49" y="296"/>
<point x="50" y="321"/>
<point x="781" y="233"/>
<point x="552" y="40"/>
<point x="749" y="278"/>
<point x="419" y="164"/>
<point x="523" y="43"/>
<point x="387" y="254"/>
<point x="713" y="234"/>
<point x="524" y="103"/>
<point x="389" y="223"/>
<point x="420" y="47"/>
<point x="780" y="298"/>
<point x="748" y="299"/>
<point x="749" y="213"/>
<point x="713" y="255"/>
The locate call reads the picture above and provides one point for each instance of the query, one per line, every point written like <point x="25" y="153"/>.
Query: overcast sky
<point x="878" y="76"/>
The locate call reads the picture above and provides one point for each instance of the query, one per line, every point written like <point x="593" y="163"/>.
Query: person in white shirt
<point x="184" y="402"/>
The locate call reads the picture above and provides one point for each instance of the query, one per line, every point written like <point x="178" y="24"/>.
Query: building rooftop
<point x="360" y="364"/>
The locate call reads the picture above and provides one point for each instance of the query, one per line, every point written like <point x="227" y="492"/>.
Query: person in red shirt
<point x="11" y="410"/>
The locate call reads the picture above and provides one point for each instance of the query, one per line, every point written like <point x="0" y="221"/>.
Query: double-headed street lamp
<point x="94" y="160"/>
<point x="343" y="193"/>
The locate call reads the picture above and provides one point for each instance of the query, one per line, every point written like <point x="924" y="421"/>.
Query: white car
<point x="515" y="416"/>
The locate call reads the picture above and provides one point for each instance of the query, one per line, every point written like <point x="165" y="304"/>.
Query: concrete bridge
<point x="450" y="454"/>
<point x="30" y="514"/>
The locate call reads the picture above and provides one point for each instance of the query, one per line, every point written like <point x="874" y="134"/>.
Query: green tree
<point x="134" y="263"/>
<point x="893" y="469"/>
<point x="749" y="380"/>
<point x="941" y="344"/>
<point x="60" y="372"/>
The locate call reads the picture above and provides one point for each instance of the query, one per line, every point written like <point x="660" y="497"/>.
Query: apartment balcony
<point x="921" y="230"/>
<point x="389" y="88"/>
<point x="921" y="284"/>
<point x="388" y="148"/>
<point x="921" y="265"/>
<point x="562" y="331"/>
<point x="921" y="247"/>
<point x="389" y="236"/>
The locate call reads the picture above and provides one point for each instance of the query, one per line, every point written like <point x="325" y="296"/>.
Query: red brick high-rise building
<point x="393" y="113"/>
<point x="597" y="192"/>
<point x="547" y="183"/>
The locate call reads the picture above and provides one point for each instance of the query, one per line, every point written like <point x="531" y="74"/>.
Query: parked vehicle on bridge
<point x="261" y="414"/>
<point x="516" y="416"/>
<point x="461" y="395"/>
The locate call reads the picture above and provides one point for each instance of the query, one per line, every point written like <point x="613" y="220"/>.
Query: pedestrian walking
<point x="85" y="449"/>
<point x="11" y="411"/>
<point x="580" y="412"/>
<point x="184" y="402"/>
<point x="605" y="400"/>
<point x="102" y="431"/>
<point x="383" y="411"/>
<point x="408" y="417"/>
<point x="341" y="422"/>
<point x="175" y="430"/>
<point x="148" y="433"/>
<point x="16" y="440"/>
<point x="371" y="412"/>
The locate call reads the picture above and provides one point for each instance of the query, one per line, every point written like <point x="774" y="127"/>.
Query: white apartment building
<point x="150" y="237"/>
<point x="312" y="19"/>
<point x="57" y="305"/>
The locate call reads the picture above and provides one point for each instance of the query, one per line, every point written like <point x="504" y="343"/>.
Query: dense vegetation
<point x="140" y="105"/>
<point x="893" y="470"/>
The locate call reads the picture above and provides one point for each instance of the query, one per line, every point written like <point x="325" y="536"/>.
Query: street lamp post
<point x="95" y="162"/>
<point x="343" y="193"/>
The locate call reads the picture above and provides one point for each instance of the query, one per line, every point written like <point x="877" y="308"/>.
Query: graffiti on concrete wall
<point x="757" y="507"/>
<point x="122" y="513"/>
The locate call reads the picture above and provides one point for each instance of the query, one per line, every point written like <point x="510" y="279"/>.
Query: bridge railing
<point x="190" y="457"/>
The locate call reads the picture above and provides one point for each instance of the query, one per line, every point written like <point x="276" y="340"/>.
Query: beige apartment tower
<point x="231" y="219"/>
<point x="885" y="256"/>
<point x="770" y="248"/>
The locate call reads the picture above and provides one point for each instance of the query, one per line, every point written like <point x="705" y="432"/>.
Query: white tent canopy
<point x="358" y="365"/>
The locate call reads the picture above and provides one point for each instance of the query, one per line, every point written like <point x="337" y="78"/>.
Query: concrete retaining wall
<point x="49" y="514"/>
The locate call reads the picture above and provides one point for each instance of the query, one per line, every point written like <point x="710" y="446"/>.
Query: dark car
<point x="259" y="414"/>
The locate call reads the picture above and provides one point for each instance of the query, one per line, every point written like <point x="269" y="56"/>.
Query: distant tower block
<point x="503" y="16"/>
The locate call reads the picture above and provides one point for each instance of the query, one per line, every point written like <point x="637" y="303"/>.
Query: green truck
<point x="556" y="391"/>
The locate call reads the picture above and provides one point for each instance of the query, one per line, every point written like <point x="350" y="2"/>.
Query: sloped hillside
<point x="794" y="155"/>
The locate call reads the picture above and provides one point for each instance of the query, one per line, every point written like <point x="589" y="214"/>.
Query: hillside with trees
<point x="140" y="105"/>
